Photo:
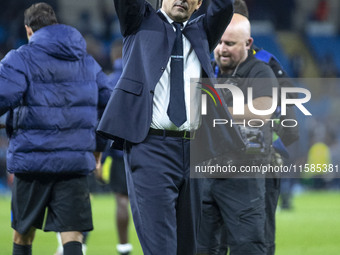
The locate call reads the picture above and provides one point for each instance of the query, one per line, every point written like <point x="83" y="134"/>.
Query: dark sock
<point x="22" y="249"/>
<point x="72" y="248"/>
<point x="85" y="235"/>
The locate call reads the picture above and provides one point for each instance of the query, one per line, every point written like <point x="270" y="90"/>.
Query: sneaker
<point x="84" y="248"/>
<point x="124" y="249"/>
<point x="59" y="251"/>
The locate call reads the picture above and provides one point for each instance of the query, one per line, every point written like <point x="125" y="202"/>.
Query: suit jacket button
<point x="162" y="69"/>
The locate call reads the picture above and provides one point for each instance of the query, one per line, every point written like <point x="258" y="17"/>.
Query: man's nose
<point x="224" y="47"/>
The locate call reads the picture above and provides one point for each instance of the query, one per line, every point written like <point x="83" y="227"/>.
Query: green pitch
<point x="311" y="228"/>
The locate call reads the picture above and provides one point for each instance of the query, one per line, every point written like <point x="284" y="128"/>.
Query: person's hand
<point x="2" y="126"/>
<point x="98" y="172"/>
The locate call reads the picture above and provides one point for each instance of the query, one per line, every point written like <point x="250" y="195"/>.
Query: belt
<point x="172" y="133"/>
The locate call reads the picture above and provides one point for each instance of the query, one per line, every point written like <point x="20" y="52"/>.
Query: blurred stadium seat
<point x="270" y="43"/>
<point x="324" y="46"/>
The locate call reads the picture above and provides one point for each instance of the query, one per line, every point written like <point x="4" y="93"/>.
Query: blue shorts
<point x="65" y="197"/>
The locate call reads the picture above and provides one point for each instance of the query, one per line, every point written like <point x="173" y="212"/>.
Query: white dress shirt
<point x="192" y="69"/>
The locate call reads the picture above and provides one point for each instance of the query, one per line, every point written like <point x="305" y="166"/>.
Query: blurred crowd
<point x="97" y="21"/>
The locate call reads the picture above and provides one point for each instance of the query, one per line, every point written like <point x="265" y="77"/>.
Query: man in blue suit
<point x="148" y="113"/>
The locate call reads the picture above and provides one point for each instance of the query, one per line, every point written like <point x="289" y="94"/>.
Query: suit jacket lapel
<point x="170" y="33"/>
<point x="192" y="32"/>
<point x="161" y="15"/>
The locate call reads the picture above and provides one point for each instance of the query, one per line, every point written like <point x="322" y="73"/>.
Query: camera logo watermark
<point x="238" y="99"/>
<point x="238" y="106"/>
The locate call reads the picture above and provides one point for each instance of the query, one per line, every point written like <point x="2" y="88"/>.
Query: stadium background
<point x="304" y="35"/>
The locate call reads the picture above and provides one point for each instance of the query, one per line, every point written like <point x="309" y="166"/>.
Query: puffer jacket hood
<point x="71" y="46"/>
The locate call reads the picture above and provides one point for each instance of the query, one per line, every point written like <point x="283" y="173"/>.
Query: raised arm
<point x="130" y="14"/>
<point x="217" y="18"/>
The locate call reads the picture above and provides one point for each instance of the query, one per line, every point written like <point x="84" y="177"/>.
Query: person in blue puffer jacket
<point x="52" y="89"/>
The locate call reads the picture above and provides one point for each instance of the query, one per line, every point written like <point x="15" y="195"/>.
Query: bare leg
<point x="72" y="236"/>
<point x="22" y="243"/>
<point x="26" y="239"/>
<point x="122" y="220"/>
<point x="122" y="217"/>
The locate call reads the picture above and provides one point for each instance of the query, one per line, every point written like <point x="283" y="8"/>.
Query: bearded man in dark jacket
<point x="52" y="89"/>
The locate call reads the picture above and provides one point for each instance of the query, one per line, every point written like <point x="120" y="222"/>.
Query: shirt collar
<point x="170" y="20"/>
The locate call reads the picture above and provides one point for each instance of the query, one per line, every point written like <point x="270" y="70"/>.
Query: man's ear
<point x="29" y="32"/>
<point x="249" y="42"/>
<point x="199" y="4"/>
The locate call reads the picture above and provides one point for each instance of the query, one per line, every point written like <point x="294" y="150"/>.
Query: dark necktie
<point x="176" y="109"/>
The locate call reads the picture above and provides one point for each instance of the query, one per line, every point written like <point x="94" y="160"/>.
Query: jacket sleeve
<point x="13" y="82"/>
<point x="216" y="20"/>
<point x="130" y="14"/>
<point x="105" y="88"/>
<point x="104" y="93"/>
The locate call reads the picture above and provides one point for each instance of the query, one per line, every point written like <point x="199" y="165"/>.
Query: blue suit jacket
<point x="148" y="42"/>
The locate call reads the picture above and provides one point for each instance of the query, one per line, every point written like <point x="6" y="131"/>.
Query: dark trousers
<point x="239" y="206"/>
<point x="165" y="202"/>
<point x="272" y="198"/>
